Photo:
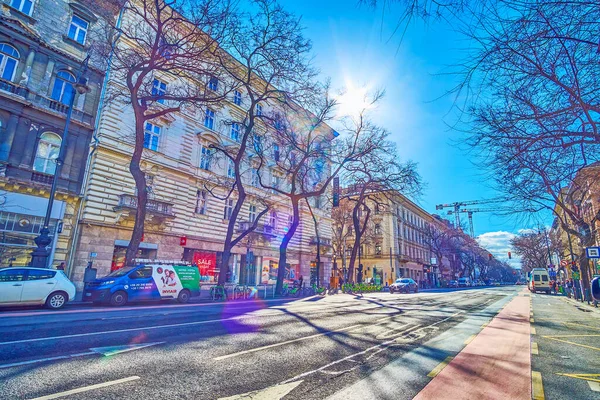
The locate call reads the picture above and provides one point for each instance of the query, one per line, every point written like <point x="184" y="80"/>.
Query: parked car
<point x="35" y="286"/>
<point x="145" y="282"/>
<point x="453" y="284"/>
<point x="404" y="285"/>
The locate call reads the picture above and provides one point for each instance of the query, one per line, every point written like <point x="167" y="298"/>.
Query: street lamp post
<point x="39" y="256"/>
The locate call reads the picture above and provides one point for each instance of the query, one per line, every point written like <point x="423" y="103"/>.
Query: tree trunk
<point x="284" y="245"/>
<point x="356" y="245"/>
<point x="227" y="245"/>
<point x="142" y="192"/>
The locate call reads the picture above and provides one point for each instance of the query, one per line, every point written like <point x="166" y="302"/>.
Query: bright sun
<point x="353" y="101"/>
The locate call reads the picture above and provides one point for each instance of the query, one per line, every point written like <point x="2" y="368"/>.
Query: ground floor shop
<point x="105" y="247"/>
<point x="22" y="218"/>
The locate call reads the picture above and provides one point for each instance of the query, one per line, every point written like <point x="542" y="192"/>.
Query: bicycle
<point x="240" y="292"/>
<point x="218" y="293"/>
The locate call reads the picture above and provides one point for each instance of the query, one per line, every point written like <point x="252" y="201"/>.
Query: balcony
<point x="156" y="208"/>
<point x="14" y="88"/>
<point x="40" y="177"/>
<point x="326" y="242"/>
<point x="262" y="229"/>
<point x="60" y="108"/>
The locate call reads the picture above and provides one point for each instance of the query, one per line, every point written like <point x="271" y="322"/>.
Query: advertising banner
<point x="206" y="263"/>
<point x="167" y="281"/>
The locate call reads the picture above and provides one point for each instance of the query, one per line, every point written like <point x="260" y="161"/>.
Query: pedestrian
<point x="301" y="280"/>
<point x="61" y="266"/>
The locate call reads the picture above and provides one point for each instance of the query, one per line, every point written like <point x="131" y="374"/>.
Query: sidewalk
<point x="495" y="365"/>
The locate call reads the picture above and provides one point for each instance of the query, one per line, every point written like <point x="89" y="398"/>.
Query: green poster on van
<point x="188" y="276"/>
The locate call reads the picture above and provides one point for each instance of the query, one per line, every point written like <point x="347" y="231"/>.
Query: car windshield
<point x="403" y="281"/>
<point x="120" y="272"/>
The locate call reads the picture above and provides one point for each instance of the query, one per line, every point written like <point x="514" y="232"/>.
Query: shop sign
<point x="206" y="262"/>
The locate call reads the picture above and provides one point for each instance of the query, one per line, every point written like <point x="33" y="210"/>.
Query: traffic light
<point x="490" y="256"/>
<point x="509" y="255"/>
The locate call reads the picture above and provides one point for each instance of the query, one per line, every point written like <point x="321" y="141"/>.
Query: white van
<point x="539" y="280"/>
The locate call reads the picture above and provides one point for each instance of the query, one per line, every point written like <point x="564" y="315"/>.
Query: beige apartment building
<point x="185" y="221"/>
<point x="396" y="245"/>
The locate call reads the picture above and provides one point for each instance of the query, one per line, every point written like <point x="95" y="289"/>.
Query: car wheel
<point x="57" y="300"/>
<point x="391" y="291"/>
<point x="118" y="298"/>
<point x="184" y="296"/>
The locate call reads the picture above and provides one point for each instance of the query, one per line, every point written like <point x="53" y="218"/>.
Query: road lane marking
<point x="553" y="336"/>
<point x="534" y="349"/>
<point x="573" y="343"/>
<point x="537" y="387"/>
<point x="531" y="320"/>
<point x="272" y="393"/>
<point x="376" y="347"/>
<point x="112" y="350"/>
<point x="210" y="321"/>
<point x="533" y="332"/>
<point x="585" y="377"/>
<point x="270" y="346"/>
<point x="87" y="388"/>
<point x="41" y="360"/>
<point x="434" y="372"/>
<point x="586" y="326"/>
<point x="470" y="339"/>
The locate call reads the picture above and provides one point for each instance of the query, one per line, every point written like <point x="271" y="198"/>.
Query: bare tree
<point x="532" y="248"/>
<point x="160" y="57"/>
<point x="270" y="68"/>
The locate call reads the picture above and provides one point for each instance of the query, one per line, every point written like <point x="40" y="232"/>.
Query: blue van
<point x="145" y="282"/>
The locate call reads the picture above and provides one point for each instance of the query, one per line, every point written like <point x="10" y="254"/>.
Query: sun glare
<point x="353" y="101"/>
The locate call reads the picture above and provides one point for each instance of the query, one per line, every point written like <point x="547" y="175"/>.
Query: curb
<point x="579" y="304"/>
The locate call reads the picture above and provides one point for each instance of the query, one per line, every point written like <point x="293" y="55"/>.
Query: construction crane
<point x="458" y="204"/>
<point x="470" y="212"/>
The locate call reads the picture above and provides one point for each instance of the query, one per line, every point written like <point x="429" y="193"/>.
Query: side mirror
<point x="596" y="288"/>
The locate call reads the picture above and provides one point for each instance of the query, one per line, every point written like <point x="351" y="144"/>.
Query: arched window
<point x="63" y="90"/>
<point x="9" y="58"/>
<point x="47" y="153"/>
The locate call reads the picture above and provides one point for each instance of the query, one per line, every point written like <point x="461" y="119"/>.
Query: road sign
<point x="93" y="255"/>
<point x="593" y="252"/>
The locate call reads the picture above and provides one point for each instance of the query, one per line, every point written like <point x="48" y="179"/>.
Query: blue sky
<point x="352" y="45"/>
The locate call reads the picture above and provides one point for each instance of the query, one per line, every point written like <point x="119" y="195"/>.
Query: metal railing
<point x="264" y="229"/>
<point x="128" y="201"/>
<point x="59" y="107"/>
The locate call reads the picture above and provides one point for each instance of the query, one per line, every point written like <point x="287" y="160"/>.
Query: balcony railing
<point x="263" y="229"/>
<point x="42" y="178"/>
<point x="59" y="107"/>
<point x="156" y="207"/>
<point x="322" y="241"/>
<point x="11" y="87"/>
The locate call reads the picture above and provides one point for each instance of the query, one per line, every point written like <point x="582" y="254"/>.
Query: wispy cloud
<point x="498" y="243"/>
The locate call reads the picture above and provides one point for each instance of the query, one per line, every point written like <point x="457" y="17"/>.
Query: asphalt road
<point x="310" y="349"/>
<point x="566" y="347"/>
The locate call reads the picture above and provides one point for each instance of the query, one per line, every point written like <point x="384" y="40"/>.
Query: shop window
<point x="9" y="59"/>
<point x="63" y="90"/>
<point x="47" y="153"/>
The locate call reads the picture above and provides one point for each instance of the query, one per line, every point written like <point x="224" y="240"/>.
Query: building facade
<point x="187" y="213"/>
<point x="42" y="47"/>
<point x="394" y="244"/>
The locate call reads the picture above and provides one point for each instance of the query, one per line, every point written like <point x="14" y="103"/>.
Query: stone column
<point x="30" y="145"/>
<point x="6" y="140"/>
<point x="27" y="71"/>
<point x="46" y="80"/>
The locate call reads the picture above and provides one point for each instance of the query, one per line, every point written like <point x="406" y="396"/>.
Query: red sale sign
<point x="206" y="262"/>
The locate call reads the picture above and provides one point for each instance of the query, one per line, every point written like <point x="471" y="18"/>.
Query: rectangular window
<point x="275" y="181"/>
<point x="228" y="208"/>
<point x="251" y="212"/>
<point x="78" y="29"/>
<point x="159" y="88"/>
<point x="259" y="110"/>
<point x="273" y="220"/>
<point x="257" y="142"/>
<point x="276" y="151"/>
<point x="151" y="136"/>
<point x="213" y="83"/>
<point x="201" y="197"/>
<point x="25" y="6"/>
<point x="255" y="179"/>
<point x="230" y="169"/>
<point x="209" y="119"/>
<point x="235" y="131"/>
<point x="205" y="155"/>
<point x="378" y="249"/>
<point x="237" y="98"/>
